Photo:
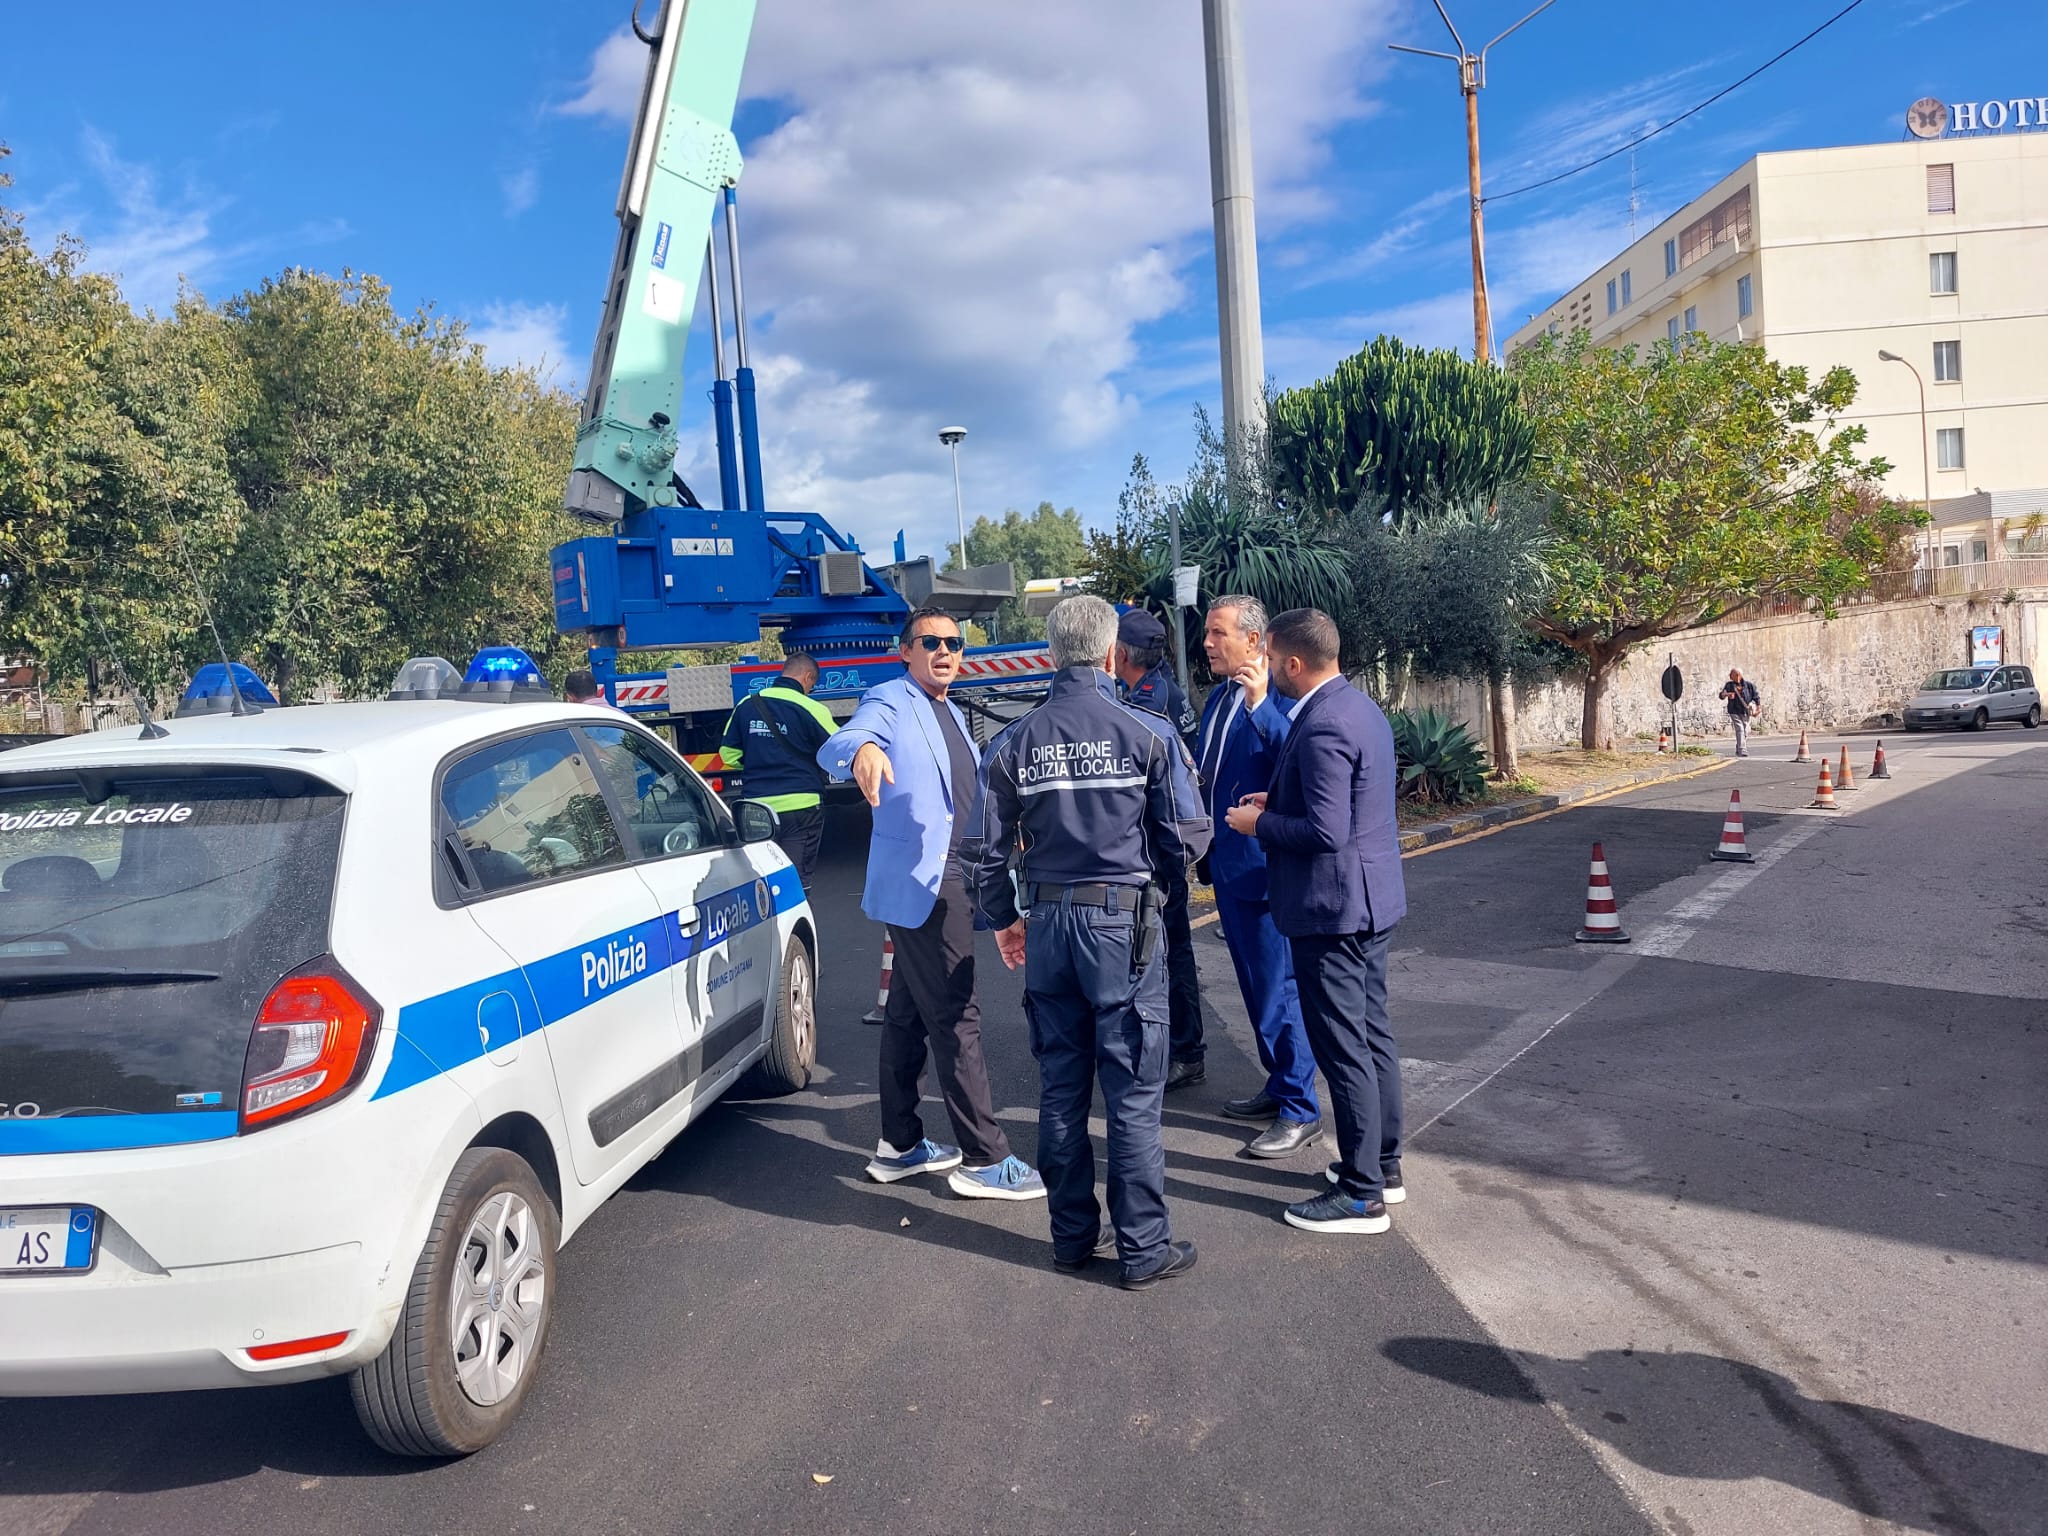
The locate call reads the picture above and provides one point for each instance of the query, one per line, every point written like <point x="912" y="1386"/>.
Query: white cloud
<point x="612" y="88"/>
<point x="532" y="336"/>
<point x="152" y="244"/>
<point x="522" y="190"/>
<point x="971" y="213"/>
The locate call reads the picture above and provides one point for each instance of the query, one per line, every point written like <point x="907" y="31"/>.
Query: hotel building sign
<point x="1928" y="118"/>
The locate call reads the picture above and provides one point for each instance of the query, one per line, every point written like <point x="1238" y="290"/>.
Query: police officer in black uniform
<point x="1149" y="685"/>
<point x="1099" y="800"/>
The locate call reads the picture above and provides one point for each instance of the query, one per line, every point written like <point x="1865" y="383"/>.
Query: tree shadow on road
<point x="1705" y="1417"/>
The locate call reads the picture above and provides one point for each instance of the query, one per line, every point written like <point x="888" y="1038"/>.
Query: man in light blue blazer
<point x="908" y="749"/>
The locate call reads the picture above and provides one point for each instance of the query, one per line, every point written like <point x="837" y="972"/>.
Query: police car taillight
<point x="312" y="1042"/>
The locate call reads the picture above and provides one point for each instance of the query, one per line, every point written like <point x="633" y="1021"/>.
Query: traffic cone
<point x="874" y="1015"/>
<point x="1663" y="739"/>
<point x="1877" y="767"/>
<point x="1603" y="918"/>
<point x="1733" y="849"/>
<point x="1824" y="796"/>
<point x="1804" y="756"/>
<point x="1845" y="778"/>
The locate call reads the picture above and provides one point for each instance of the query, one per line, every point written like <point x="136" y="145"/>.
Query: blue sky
<point x="990" y="214"/>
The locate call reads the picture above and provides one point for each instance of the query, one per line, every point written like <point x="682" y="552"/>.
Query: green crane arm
<point x="683" y="157"/>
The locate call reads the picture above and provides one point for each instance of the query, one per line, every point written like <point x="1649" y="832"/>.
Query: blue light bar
<point x="211" y="682"/>
<point x="504" y="664"/>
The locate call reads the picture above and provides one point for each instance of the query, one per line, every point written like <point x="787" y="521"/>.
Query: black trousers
<point x="932" y="1010"/>
<point x="1342" y="979"/>
<point x="799" y="837"/>
<point x="1183" y="981"/>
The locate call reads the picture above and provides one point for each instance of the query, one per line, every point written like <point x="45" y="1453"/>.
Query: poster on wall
<point x="1987" y="645"/>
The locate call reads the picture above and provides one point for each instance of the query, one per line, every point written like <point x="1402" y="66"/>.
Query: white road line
<point x="1684" y="920"/>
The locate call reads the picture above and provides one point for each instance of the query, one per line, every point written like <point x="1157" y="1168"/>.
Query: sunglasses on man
<point x="952" y="643"/>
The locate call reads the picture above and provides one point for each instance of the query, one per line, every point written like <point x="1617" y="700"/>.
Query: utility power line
<point x="1551" y="181"/>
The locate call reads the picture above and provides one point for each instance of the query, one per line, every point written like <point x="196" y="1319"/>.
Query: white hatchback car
<point x="322" y="1029"/>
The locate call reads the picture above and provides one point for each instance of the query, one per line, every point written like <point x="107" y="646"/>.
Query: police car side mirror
<point x="758" y="824"/>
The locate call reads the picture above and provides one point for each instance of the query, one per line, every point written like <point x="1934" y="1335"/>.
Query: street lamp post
<point x="951" y="436"/>
<point x="1926" y="474"/>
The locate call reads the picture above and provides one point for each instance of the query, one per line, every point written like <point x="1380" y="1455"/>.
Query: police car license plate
<point x="46" y="1237"/>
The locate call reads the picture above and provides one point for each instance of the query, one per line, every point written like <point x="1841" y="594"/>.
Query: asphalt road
<point x="1739" y="1228"/>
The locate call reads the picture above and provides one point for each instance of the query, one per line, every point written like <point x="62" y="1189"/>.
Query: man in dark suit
<point x="1244" y="726"/>
<point x="1334" y="866"/>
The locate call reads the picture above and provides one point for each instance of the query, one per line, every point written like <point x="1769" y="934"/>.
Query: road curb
<point x="1457" y="828"/>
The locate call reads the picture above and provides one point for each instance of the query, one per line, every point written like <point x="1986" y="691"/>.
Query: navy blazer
<point x="1332" y="852"/>
<point x="1237" y="864"/>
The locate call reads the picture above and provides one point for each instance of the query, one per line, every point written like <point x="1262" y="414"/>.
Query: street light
<point x="951" y="436"/>
<point x="1926" y="475"/>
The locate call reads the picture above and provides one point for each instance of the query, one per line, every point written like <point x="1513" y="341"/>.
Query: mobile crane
<point x="666" y="572"/>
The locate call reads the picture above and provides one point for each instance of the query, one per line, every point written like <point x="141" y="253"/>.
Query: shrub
<point x="1439" y="762"/>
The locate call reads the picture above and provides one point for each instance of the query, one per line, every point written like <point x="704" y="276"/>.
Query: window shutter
<point x="1941" y="189"/>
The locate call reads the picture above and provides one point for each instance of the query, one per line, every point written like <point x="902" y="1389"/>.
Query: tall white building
<point x="1934" y="248"/>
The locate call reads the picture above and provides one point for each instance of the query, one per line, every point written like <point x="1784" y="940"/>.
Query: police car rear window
<point x="143" y="921"/>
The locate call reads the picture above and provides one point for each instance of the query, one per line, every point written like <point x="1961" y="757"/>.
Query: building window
<point x="1980" y="551"/>
<point x="1951" y="554"/>
<point x="1670" y="258"/>
<point x="1728" y="221"/>
<point x="1692" y="319"/>
<point x="1671" y="330"/>
<point x="1948" y="447"/>
<point x="1745" y="298"/>
<point x="1941" y="189"/>
<point x="1941" y="272"/>
<point x="1948" y="361"/>
<point x="1611" y="289"/>
<point x="1627" y="298"/>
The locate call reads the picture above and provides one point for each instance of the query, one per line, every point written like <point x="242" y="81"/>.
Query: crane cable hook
<point x="649" y="39"/>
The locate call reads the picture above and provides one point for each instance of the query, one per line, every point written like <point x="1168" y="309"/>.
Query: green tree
<point x="402" y="493"/>
<point x="112" y="469"/>
<point x="1687" y="482"/>
<point x="1122" y="562"/>
<point x="1046" y="543"/>
<point x="1405" y="427"/>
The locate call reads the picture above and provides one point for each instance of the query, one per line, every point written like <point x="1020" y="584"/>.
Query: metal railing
<point x="2013" y="573"/>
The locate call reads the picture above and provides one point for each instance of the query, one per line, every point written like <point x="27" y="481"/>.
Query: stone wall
<point x="1834" y="674"/>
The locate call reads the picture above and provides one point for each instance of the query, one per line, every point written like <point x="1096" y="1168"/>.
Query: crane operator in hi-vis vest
<point x="773" y="739"/>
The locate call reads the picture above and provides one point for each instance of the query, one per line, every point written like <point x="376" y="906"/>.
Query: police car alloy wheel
<point x="793" y="1045"/>
<point x="476" y="1317"/>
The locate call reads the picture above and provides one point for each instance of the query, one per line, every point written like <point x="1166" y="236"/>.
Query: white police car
<point x="321" y="1029"/>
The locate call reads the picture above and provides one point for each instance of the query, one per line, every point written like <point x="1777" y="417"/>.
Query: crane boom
<point x="683" y="157"/>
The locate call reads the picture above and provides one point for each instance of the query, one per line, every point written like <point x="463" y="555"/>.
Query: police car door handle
<point x="688" y="922"/>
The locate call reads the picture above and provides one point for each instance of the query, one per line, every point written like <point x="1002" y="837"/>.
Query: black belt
<point x="1126" y="898"/>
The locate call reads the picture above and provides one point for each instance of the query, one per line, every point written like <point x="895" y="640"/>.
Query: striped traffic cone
<point x="1824" y="795"/>
<point x="1804" y="756"/>
<point x="874" y="1015"/>
<point x="1733" y="849"/>
<point x="1603" y="918"/>
<point x="1845" y="778"/>
<point x="1877" y="767"/>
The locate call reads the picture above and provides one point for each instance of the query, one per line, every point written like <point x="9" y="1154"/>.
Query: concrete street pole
<point x="1237" y="252"/>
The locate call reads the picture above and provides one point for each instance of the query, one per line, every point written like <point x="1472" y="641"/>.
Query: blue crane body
<point x="662" y="572"/>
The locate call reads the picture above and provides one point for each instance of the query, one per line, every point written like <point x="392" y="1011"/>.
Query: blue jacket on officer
<point x="1100" y="799"/>
<point x="1148" y="681"/>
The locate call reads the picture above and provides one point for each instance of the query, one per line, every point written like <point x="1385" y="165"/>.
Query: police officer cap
<point x="1140" y="630"/>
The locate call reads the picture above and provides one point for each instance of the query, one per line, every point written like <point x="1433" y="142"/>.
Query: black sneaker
<point x="1180" y="1258"/>
<point x="1338" y="1212"/>
<point x="1105" y="1248"/>
<point x="1394" y="1195"/>
<point x="1179" y="1074"/>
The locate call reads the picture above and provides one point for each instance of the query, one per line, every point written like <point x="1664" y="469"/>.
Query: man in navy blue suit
<point x="1334" y="865"/>
<point x="1244" y="725"/>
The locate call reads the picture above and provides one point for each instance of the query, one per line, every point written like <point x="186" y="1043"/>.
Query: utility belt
<point x="1142" y="900"/>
